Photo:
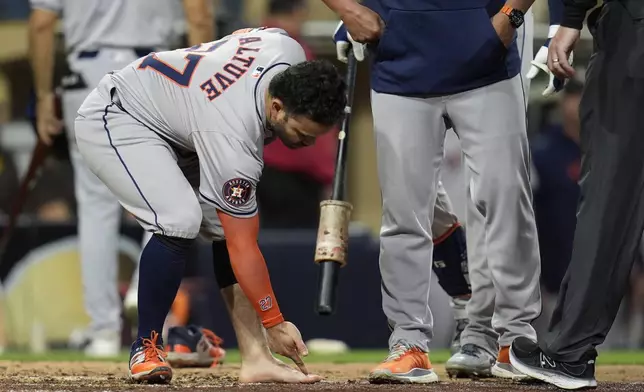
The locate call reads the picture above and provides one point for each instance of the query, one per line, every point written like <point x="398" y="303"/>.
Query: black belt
<point x="90" y="54"/>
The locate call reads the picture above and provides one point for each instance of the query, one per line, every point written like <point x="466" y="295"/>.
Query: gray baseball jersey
<point x="142" y="128"/>
<point x="210" y="99"/>
<point x="93" y="24"/>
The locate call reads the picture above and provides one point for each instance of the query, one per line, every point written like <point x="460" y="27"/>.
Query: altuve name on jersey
<point x="233" y="70"/>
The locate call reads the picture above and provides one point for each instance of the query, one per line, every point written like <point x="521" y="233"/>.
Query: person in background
<point x="100" y="36"/>
<point x="294" y="181"/>
<point x="8" y="171"/>
<point x="556" y="157"/>
<point x="8" y="183"/>
<point x="229" y="17"/>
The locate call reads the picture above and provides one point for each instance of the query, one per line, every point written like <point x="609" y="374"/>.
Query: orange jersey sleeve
<point x="249" y="266"/>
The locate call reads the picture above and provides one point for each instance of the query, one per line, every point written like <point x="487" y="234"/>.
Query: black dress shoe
<point x="527" y="357"/>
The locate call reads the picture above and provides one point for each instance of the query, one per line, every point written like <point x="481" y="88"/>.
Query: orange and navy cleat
<point x="193" y="346"/>
<point x="405" y="364"/>
<point x="148" y="363"/>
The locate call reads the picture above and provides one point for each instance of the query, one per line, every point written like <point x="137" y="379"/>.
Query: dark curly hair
<point x="314" y="89"/>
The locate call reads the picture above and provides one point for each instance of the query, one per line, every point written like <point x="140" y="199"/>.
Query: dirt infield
<point x="101" y="376"/>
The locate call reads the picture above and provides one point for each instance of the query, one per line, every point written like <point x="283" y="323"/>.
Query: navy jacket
<point x="439" y="47"/>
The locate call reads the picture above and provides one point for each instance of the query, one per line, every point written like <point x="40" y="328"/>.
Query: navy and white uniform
<point x="438" y="60"/>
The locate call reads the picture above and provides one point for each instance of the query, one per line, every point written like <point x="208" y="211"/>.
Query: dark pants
<point x="610" y="216"/>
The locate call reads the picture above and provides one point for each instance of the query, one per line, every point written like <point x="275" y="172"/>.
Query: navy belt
<point x="90" y="54"/>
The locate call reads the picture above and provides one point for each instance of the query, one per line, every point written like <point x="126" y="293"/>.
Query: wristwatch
<point x="516" y="16"/>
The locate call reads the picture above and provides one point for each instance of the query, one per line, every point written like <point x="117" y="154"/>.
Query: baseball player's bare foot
<point x="258" y="364"/>
<point x="273" y="370"/>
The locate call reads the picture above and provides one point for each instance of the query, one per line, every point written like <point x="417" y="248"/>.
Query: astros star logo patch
<point x="237" y="191"/>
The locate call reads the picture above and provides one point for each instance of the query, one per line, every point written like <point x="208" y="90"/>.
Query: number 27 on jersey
<point x="193" y="57"/>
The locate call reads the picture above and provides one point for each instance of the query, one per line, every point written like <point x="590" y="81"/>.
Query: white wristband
<point x="552" y="30"/>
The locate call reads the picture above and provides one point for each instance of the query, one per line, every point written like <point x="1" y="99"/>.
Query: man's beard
<point x="279" y="131"/>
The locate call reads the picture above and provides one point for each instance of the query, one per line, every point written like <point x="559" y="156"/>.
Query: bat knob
<point x="327" y="287"/>
<point x="325" y="310"/>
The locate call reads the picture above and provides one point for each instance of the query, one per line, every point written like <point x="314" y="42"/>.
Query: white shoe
<point x="507" y="371"/>
<point x="471" y="361"/>
<point x="78" y="339"/>
<point x="104" y="344"/>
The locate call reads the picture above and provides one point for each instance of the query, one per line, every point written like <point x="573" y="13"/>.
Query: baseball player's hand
<point x="560" y="52"/>
<point x="47" y="124"/>
<point x="540" y="63"/>
<point x="364" y="24"/>
<point x="285" y="339"/>
<point x="344" y="42"/>
<point x="503" y="28"/>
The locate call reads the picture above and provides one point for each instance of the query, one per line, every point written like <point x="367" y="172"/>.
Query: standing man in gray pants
<point x="450" y="259"/>
<point x="610" y="215"/>
<point x="456" y="62"/>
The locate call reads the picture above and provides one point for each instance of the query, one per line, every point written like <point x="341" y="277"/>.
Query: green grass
<point x="232" y="356"/>
<point x="354" y="356"/>
<point x="55" y="356"/>
<point x="619" y="357"/>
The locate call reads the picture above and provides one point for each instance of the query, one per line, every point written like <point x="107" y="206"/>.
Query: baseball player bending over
<point x="100" y="36"/>
<point x="177" y="137"/>
<point x="441" y="63"/>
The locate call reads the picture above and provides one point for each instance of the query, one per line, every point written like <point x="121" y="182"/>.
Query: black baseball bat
<point x="38" y="156"/>
<point x="329" y="270"/>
